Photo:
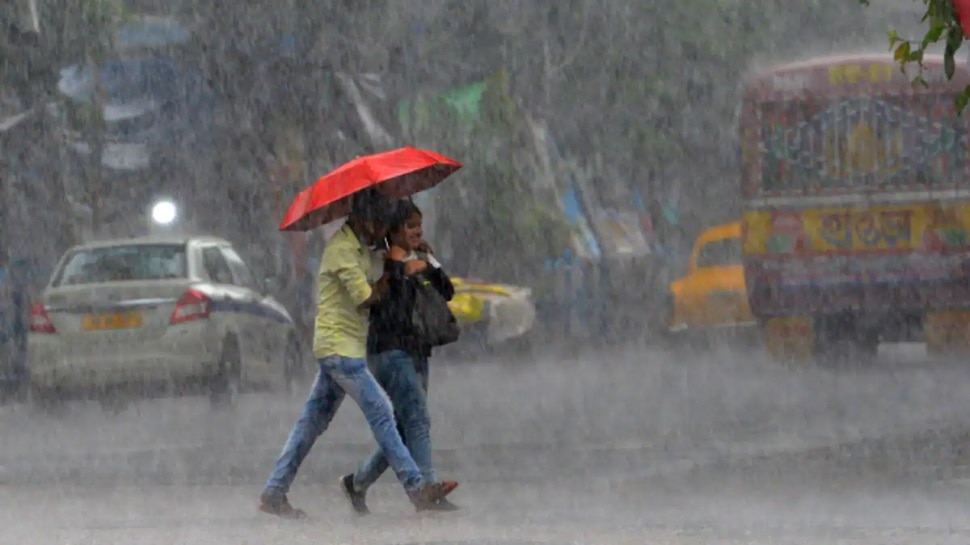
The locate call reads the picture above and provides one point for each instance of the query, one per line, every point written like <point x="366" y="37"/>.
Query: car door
<point x="268" y="316"/>
<point x="719" y="283"/>
<point x="231" y="301"/>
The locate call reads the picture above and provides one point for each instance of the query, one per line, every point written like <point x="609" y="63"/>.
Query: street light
<point x="164" y="213"/>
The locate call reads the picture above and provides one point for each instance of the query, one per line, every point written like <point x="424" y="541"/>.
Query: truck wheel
<point x="790" y="338"/>
<point x="935" y="335"/>
<point x="946" y="333"/>
<point x="224" y="386"/>
<point x="868" y="344"/>
<point x="834" y="339"/>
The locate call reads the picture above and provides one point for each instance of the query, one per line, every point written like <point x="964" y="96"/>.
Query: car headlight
<point x="509" y="318"/>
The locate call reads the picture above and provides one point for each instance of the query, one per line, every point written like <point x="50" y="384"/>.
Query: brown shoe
<point x="275" y="503"/>
<point x="430" y="494"/>
<point x="440" y="505"/>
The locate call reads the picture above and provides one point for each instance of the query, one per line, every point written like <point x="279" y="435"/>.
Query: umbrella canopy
<point x="962" y="8"/>
<point x="397" y="174"/>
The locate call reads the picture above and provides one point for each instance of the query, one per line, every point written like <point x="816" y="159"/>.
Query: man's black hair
<point x="371" y="205"/>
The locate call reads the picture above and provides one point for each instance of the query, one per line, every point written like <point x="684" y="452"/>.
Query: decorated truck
<point x="856" y="206"/>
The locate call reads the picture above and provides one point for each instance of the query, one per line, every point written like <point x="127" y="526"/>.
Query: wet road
<point x="631" y="447"/>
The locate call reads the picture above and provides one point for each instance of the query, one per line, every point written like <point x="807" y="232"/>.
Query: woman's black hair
<point x="403" y="210"/>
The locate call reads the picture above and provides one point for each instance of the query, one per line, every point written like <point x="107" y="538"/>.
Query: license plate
<point x="101" y="322"/>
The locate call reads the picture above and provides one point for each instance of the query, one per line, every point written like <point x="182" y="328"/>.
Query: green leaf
<point x="962" y="99"/>
<point x="902" y="52"/>
<point x="934" y="34"/>
<point x="954" y="37"/>
<point x="893" y="38"/>
<point x="949" y="66"/>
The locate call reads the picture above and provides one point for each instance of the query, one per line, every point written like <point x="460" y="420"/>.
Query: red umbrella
<point x="397" y="174"/>
<point x="962" y="8"/>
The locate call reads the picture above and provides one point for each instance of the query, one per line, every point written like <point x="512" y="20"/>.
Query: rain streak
<point x="492" y="272"/>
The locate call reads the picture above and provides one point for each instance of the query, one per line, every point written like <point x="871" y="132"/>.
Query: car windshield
<point x="123" y="264"/>
<point x="720" y="253"/>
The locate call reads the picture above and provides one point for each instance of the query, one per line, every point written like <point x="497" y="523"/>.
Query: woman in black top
<point x="398" y="359"/>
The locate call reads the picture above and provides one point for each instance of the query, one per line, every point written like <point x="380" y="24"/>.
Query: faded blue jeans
<point x="341" y="376"/>
<point x="405" y="379"/>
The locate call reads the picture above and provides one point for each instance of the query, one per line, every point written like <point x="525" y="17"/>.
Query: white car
<point x="159" y="315"/>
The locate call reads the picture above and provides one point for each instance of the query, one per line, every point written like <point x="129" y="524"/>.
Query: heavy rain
<point x="708" y="260"/>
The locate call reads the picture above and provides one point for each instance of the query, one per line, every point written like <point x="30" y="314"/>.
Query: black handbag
<point x="432" y="322"/>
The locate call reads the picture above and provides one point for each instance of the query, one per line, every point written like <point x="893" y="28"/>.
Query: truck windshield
<point x="871" y="143"/>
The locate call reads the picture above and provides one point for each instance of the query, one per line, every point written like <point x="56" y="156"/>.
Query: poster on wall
<point x="585" y="245"/>
<point x="621" y="232"/>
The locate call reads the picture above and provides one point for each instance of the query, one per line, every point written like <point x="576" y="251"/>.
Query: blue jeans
<point x="405" y="379"/>
<point x="339" y="376"/>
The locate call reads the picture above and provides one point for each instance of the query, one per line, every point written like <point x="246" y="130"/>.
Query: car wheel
<point x="294" y="368"/>
<point x="667" y="313"/>
<point x="661" y="326"/>
<point x="22" y="395"/>
<point x="112" y="403"/>
<point x="44" y="401"/>
<point x="16" y="394"/>
<point x="224" y="387"/>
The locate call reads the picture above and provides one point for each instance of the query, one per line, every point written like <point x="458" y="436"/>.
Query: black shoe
<point x="358" y="499"/>
<point x="440" y="505"/>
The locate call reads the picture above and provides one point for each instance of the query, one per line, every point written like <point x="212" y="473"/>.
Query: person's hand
<point x="381" y="287"/>
<point x="377" y="292"/>
<point x="415" y="266"/>
<point x="396" y="253"/>
<point x="423" y="246"/>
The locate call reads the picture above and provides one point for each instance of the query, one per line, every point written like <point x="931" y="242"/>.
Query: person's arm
<point x="436" y="273"/>
<point x="341" y="261"/>
<point x="400" y="299"/>
<point x="441" y="282"/>
<point x="377" y="293"/>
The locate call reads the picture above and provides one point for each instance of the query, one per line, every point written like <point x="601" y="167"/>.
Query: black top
<point x="390" y="319"/>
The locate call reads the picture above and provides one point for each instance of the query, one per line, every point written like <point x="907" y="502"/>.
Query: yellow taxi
<point x="712" y="295"/>
<point x="495" y="313"/>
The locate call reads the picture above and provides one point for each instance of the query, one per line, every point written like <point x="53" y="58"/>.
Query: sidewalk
<point x="190" y="464"/>
<point x="573" y="510"/>
<point x="216" y="515"/>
